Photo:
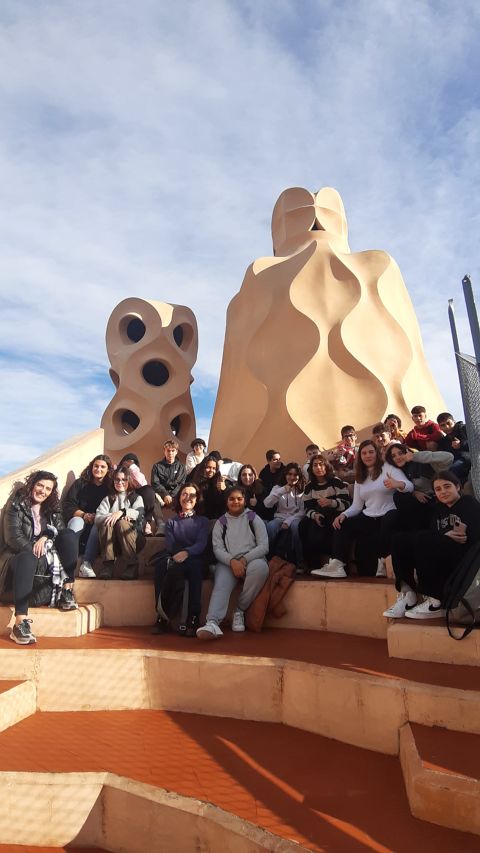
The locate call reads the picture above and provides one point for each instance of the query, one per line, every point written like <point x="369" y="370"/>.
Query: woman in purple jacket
<point x="186" y="537"/>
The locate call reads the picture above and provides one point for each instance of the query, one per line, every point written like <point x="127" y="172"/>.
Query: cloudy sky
<point x="143" y="146"/>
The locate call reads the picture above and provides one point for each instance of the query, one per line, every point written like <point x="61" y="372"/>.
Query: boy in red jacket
<point x="426" y="434"/>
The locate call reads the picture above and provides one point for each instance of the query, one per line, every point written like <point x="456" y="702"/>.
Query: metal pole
<point x="472" y="315"/>
<point x="456" y="347"/>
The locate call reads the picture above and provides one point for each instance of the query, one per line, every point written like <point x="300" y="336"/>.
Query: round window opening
<point x="135" y="329"/>
<point x="178" y="335"/>
<point x="175" y="425"/>
<point x="129" y="421"/>
<point x="155" y="373"/>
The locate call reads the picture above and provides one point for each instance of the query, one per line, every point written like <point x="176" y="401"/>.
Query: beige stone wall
<point x="152" y="347"/>
<point x="67" y="460"/>
<point x="316" y="338"/>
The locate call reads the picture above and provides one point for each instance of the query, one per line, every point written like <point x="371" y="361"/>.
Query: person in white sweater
<point x="240" y="545"/>
<point x="368" y="516"/>
<point x="287" y="498"/>
<point x="118" y="519"/>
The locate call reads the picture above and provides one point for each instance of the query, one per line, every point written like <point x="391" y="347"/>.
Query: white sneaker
<point x="428" y="609"/>
<point x="238" y="621"/>
<point x="86" y="571"/>
<point x="405" y="601"/>
<point x="209" y="631"/>
<point x="333" y="569"/>
<point x="381" y="568"/>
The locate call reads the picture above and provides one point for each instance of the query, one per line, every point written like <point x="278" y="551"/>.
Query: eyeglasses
<point x="189" y="497"/>
<point x="119" y="480"/>
<point x="350" y="435"/>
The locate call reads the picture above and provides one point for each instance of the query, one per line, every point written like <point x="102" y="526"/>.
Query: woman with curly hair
<point x="119" y="520"/>
<point x="366" y="520"/>
<point x="325" y="497"/>
<point x="80" y="505"/>
<point x="36" y="544"/>
<point x="287" y="498"/>
<point x="211" y="485"/>
<point x="253" y="487"/>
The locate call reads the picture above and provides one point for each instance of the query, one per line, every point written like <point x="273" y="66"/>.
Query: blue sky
<point x="143" y="146"/>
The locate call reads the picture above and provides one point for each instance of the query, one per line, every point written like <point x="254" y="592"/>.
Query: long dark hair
<point x="257" y="486"/>
<point x="361" y="470"/>
<point x="388" y="455"/>
<point x="87" y="472"/>
<point x="329" y="474"/>
<point x="301" y="479"/>
<point x="199" y="477"/>
<point x="24" y="492"/>
<point x="122" y="469"/>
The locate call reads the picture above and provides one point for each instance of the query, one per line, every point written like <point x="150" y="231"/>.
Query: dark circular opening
<point x="135" y="329"/>
<point x="175" y="425"/>
<point x="129" y="421"/>
<point x="114" y="377"/>
<point x="178" y="335"/>
<point x="155" y="373"/>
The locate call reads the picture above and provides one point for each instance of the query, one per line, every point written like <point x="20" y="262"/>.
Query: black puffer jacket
<point x="18" y="532"/>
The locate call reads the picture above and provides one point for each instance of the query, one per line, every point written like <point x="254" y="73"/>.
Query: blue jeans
<point x="77" y="524"/>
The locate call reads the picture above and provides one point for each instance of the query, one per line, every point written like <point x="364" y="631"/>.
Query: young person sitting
<point x="254" y="491"/>
<point x="119" y="520"/>
<point x="382" y="437"/>
<point x="415" y="508"/>
<point x="394" y="424"/>
<point x="80" y="505"/>
<point x="196" y="455"/>
<point x="186" y="537"/>
<point x="311" y="450"/>
<point x="426" y="434"/>
<point x="36" y="546"/>
<point x="211" y="486"/>
<point x="434" y="554"/>
<point x="455" y="441"/>
<point x="287" y="500"/>
<point x="325" y="497"/>
<point x="169" y="474"/>
<point x="240" y="545"/>
<point x="366" y="520"/>
<point x="271" y="475"/>
<point x="344" y="455"/>
<point x="139" y="482"/>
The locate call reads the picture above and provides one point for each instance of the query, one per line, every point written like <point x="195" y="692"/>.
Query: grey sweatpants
<point x="225" y="582"/>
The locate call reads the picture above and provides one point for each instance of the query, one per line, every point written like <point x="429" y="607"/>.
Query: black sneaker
<point x="22" y="633"/>
<point x="66" y="600"/>
<point x="190" y="627"/>
<point x="106" y="572"/>
<point x="161" y="627"/>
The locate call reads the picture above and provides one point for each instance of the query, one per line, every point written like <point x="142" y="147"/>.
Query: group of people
<point x="393" y="494"/>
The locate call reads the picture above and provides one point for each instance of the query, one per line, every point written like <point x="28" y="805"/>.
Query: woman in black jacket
<point x="211" y="485"/>
<point x="80" y="505"/>
<point x="34" y="534"/>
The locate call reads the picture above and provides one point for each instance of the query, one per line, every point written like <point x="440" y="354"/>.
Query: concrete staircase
<point x="332" y="672"/>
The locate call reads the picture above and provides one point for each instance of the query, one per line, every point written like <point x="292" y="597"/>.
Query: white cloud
<point x="143" y="147"/>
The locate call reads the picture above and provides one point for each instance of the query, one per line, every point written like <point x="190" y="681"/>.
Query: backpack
<point x="250" y="516"/>
<point x="171" y="579"/>
<point x="461" y="598"/>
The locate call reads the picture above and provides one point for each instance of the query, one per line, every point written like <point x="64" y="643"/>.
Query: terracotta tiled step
<point x="18" y="699"/>
<point x="50" y="622"/>
<point x="28" y="848"/>
<point x="325" y="795"/>
<point x="431" y="641"/>
<point x="442" y="775"/>
<point x="332" y="684"/>
<point x="353" y="606"/>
